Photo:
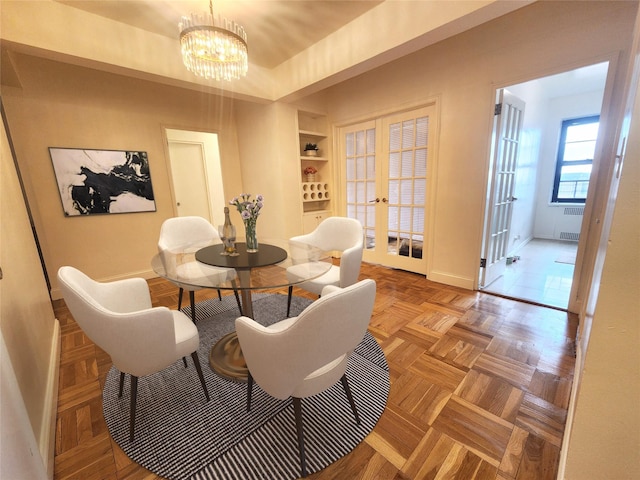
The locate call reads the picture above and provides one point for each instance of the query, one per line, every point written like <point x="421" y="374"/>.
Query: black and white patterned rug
<point x="179" y="435"/>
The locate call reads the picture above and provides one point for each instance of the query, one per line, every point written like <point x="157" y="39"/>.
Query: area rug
<point x="179" y="435"/>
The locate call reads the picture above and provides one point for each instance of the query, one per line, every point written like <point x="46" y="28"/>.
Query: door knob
<point x="377" y="200"/>
<point x="513" y="199"/>
<point x="178" y="204"/>
<point x="384" y="200"/>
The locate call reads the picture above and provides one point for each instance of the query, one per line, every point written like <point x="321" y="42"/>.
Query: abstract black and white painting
<point x="102" y="181"/>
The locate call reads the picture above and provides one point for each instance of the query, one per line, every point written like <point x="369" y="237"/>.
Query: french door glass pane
<point x="350" y="144"/>
<point x="422" y="131"/>
<point x="351" y="167"/>
<point x="394" y="137"/>
<point x="351" y="192"/>
<point x="394" y="191"/>
<point x="371" y="166"/>
<point x="360" y="143"/>
<point x="419" y="192"/>
<point x="407" y="163"/>
<point x="406" y="194"/>
<point x="407" y="134"/>
<point x="421" y="163"/>
<point x="360" y="179"/>
<point x="407" y="186"/>
<point x="360" y="170"/>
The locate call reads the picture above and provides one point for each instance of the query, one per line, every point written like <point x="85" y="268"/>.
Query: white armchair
<point x="192" y="232"/>
<point x="118" y="318"/>
<point x="341" y="234"/>
<point x="305" y="355"/>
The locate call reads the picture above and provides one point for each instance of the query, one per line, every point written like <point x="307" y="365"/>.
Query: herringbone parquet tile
<point x="480" y="388"/>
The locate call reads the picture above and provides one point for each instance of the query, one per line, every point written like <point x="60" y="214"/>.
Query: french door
<point x="387" y="167"/>
<point x="506" y="143"/>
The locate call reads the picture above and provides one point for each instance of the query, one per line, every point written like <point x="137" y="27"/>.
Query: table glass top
<point x="265" y="269"/>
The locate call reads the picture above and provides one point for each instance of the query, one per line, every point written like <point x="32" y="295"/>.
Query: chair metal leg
<point x="297" y="408"/>
<point x="249" y="390"/>
<point x="184" y="360"/>
<point x="219" y="295"/>
<point x="180" y="292"/>
<point x="192" y="301"/>
<point x="235" y="292"/>
<point x="347" y="390"/>
<point x="121" y="384"/>
<point x="196" y="361"/>
<point x="289" y="299"/>
<point x="132" y="414"/>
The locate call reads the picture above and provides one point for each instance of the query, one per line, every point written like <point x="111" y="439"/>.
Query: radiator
<point x="568" y="223"/>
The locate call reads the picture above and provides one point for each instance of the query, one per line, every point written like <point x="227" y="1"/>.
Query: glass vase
<point x="250" y="235"/>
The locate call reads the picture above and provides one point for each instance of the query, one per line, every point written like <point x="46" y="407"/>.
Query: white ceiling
<point x="296" y="47"/>
<point x="573" y="82"/>
<point x="276" y="29"/>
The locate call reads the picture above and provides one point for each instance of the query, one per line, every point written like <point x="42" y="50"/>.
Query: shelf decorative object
<point x="315" y="192"/>
<point x="311" y="150"/>
<point x="249" y="211"/>
<point x="310" y="172"/>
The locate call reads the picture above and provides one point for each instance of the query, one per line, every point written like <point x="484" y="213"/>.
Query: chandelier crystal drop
<point x="213" y="47"/>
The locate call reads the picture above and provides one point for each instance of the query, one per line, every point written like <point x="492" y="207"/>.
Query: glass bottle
<point x="227" y="234"/>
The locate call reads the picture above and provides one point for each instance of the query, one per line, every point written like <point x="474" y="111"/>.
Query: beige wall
<point x="30" y="331"/>
<point x="66" y="106"/>
<point x="461" y="74"/>
<point x="270" y="165"/>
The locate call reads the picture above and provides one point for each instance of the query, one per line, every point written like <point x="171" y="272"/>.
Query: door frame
<point x="595" y="205"/>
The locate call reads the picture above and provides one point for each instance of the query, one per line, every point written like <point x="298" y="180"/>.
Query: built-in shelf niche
<point x="316" y="194"/>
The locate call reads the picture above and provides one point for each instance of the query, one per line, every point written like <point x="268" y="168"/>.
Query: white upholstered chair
<point x="190" y="232"/>
<point x="118" y="318"/>
<point x="341" y="234"/>
<point x="302" y="356"/>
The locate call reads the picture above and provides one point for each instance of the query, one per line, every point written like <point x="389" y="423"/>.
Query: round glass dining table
<point x="201" y="265"/>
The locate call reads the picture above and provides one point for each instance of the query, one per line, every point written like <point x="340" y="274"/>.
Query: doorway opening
<point x="541" y="234"/>
<point x="196" y="174"/>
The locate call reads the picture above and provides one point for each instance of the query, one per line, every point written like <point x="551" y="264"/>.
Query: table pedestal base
<point x="226" y="358"/>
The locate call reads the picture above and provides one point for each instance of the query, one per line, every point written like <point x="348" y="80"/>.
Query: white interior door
<point x="196" y="174"/>
<point x="506" y="142"/>
<point x="387" y="171"/>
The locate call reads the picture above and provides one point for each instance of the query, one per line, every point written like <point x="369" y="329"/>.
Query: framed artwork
<point x="94" y="182"/>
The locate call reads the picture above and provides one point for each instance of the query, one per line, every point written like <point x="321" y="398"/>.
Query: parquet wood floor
<point x="479" y="388"/>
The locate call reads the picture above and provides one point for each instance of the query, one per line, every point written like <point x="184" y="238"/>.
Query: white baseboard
<point x="452" y="280"/>
<point x="48" y="429"/>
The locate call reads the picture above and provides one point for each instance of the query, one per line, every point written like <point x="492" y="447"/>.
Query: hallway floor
<point x="543" y="274"/>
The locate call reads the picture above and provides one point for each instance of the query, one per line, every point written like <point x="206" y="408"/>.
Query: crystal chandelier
<point x="213" y="47"/>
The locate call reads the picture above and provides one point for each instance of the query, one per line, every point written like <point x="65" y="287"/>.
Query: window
<point x="575" y="157"/>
